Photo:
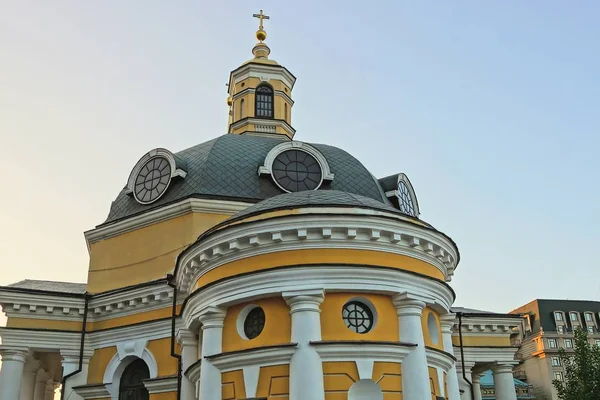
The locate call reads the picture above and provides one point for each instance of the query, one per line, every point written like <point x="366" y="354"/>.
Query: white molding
<point x="92" y="391"/>
<point x="162" y="214"/>
<point x="362" y="230"/>
<point x="381" y="352"/>
<point x="193" y="372"/>
<point x="257" y="357"/>
<point x="439" y="360"/>
<point x="267" y="122"/>
<point x="41" y="340"/>
<point x="241" y="319"/>
<point x="486" y="354"/>
<point x="266" y="168"/>
<point x="161" y="385"/>
<point x="265" y="72"/>
<point x="331" y="279"/>
<point x="40" y="305"/>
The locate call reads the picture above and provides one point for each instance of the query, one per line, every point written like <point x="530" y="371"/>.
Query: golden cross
<point x="261" y="16"/>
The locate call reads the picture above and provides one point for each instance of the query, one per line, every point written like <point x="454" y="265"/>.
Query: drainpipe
<point x="86" y="299"/>
<point x="462" y="355"/>
<point x="173" y="316"/>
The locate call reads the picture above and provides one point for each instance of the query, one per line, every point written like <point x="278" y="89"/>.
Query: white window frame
<point x="597" y="342"/>
<point x="558" y="376"/>
<point x="560" y="329"/>
<point x="588" y="314"/>
<point x="590" y="330"/>
<point x="560" y="315"/>
<point x="551" y="340"/>
<point x="571" y="313"/>
<point x="568" y="341"/>
<point x="413" y="196"/>
<point x="556" y="361"/>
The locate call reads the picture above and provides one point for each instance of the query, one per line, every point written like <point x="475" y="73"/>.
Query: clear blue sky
<point x="491" y="107"/>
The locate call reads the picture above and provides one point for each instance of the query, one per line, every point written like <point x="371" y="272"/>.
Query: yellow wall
<point x="161" y="350"/>
<point x="233" y="385"/>
<point x="274" y="382"/>
<point x="28" y="323"/>
<point x="389" y="377"/>
<point x="164" y="396"/>
<point x="319" y="256"/>
<point x="338" y="377"/>
<point x="333" y="327"/>
<point x="98" y="364"/>
<point x="427" y="336"/>
<point x="277" y="328"/>
<point x="434" y="383"/>
<point x="145" y="254"/>
<point x="482" y="341"/>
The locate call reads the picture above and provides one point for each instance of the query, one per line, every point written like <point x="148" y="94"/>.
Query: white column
<point x="189" y="355"/>
<point x="415" y="373"/>
<point x="70" y="363"/>
<point x="11" y="375"/>
<point x="306" y="367"/>
<point x="29" y="374"/>
<point x="212" y="343"/>
<point x="466" y="388"/>
<point x="40" y="385"/>
<point x="504" y="383"/>
<point x="447" y="321"/>
<point x="50" y="389"/>
<point x="475" y="378"/>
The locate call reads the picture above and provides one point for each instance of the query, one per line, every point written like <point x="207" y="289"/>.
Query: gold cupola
<point x="260" y="92"/>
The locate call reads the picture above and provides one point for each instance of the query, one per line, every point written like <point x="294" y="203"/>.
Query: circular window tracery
<point x="152" y="180"/>
<point x="296" y="170"/>
<point x="405" y="200"/>
<point x="358" y="316"/>
<point x="254" y="323"/>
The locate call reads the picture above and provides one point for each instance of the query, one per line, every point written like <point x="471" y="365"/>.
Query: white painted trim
<point x="162" y="214"/>
<point x="265" y="122"/>
<point x="241" y="319"/>
<point x="353" y="352"/>
<point x="92" y="391"/>
<point x="439" y="360"/>
<point x="148" y="331"/>
<point x="313" y="231"/>
<point x="41" y="340"/>
<point x="267" y="167"/>
<point x="265" y="72"/>
<point x="161" y="385"/>
<point x="251" y="374"/>
<point x="257" y="357"/>
<point x="331" y="279"/>
<point x="126" y="354"/>
<point x="486" y="354"/>
<point x="193" y="372"/>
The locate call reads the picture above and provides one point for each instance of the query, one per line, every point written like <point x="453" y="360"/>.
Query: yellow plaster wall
<point x="434" y="383"/>
<point x="389" y="377"/>
<point x="34" y="323"/>
<point x="446" y="393"/>
<point x="145" y="254"/>
<point x="164" y="396"/>
<point x="428" y="340"/>
<point x="482" y="341"/>
<point x="333" y="327"/>
<point x="131" y="319"/>
<point x="277" y="328"/>
<point x="161" y="350"/>
<point x="98" y="364"/>
<point x="338" y="377"/>
<point x="274" y="382"/>
<point x="318" y="256"/>
<point x="233" y="385"/>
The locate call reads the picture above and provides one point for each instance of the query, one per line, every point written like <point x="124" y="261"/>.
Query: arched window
<point x="241" y="108"/>
<point x="264" y="101"/>
<point x="132" y="385"/>
<point x="365" y="389"/>
<point x="285" y="111"/>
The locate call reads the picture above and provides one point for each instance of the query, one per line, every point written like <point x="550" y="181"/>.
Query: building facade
<point x="256" y="266"/>
<point x="547" y="326"/>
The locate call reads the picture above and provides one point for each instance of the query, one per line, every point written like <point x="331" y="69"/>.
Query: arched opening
<point x="264" y="101"/>
<point x="365" y="389"/>
<point x="241" y="108"/>
<point x="132" y="386"/>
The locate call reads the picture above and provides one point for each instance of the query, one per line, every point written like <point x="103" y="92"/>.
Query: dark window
<point x="132" y="385"/>
<point x="241" y="108"/>
<point x="357" y="316"/>
<point x="296" y="170"/>
<point x="405" y="199"/>
<point x="264" y="101"/>
<point x="254" y="323"/>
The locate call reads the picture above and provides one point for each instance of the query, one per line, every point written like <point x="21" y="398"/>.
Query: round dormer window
<point x="152" y="180"/>
<point x="296" y="170"/>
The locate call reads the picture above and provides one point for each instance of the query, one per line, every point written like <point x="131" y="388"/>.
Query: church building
<point x="256" y="266"/>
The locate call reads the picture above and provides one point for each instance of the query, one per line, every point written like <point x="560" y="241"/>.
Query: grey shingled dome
<point x="227" y="168"/>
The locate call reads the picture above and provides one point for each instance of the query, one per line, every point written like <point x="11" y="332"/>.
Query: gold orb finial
<point x="261" y="35"/>
<point x="229" y="101"/>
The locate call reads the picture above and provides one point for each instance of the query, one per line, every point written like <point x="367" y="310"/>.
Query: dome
<point x="227" y="168"/>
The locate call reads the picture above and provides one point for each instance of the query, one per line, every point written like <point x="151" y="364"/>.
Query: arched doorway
<point x="132" y="386"/>
<point x="365" y="389"/>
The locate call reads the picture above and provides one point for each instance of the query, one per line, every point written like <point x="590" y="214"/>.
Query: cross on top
<point x="261" y="16"/>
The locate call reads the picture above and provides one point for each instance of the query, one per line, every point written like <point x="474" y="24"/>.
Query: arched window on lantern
<point x="264" y="102"/>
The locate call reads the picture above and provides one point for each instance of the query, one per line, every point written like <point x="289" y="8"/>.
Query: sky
<point x="491" y="108"/>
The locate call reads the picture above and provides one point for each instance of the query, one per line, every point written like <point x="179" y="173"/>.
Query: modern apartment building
<point x="548" y="326"/>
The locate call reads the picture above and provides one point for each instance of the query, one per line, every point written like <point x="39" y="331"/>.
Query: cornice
<point x="265" y="72"/>
<point x="92" y="391"/>
<point x="330" y="278"/>
<point x="161" y="385"/>
<point x="344" y="351"/>
<point x="310" y="231"/>
<point x="502" y="354"/>
<point x="269" y="122"/>
<point x="147" y="331"/>
<point x="258" y="357"/>
<point x="474" y="326"/>
<point x="439" y="359"/>
<point x="41" y="339"/>
<point x="161" y="214"/>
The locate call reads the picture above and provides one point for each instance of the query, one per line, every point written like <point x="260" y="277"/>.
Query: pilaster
<point x="447" y="322"/>
<point x="212" y="343"/>
<point x="189" y="355"/>
<point x="11" y="375"/>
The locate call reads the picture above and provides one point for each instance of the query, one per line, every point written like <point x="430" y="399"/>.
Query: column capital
<point x="409" y="304"/>
<point x="14" y="354"/>
<point x="186" y="337"/>
<point x="447" y="322"/>
<point x="503" y="368"/>
<point x="304" y="300"/>
<point x="72" y="356"/>
<point x="212" y="317"/>
<point x="32" y="365"/>
<point x="476" y="376"/>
